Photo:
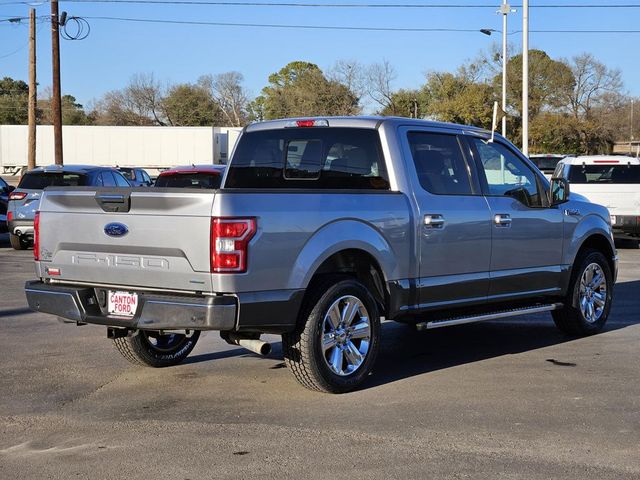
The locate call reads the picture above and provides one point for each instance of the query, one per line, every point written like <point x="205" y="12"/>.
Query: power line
<point x="277" y="25"/>
<point x="339" y="27"/>
<point x="336" y="5"/>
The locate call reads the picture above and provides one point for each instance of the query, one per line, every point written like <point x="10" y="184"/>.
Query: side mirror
<point x="558" y="192"/>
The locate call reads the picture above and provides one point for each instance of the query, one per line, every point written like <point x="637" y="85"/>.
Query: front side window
<point x="439" y="163"/>
<point x="507" y="174"/>
<point x="318" y="158"/>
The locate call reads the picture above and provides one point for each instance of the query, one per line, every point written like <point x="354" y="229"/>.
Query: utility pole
<point x="56" y="101"/>
<point x="31" y="157"/>
<point x="525" y="77"/>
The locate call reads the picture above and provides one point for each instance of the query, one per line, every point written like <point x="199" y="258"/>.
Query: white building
<point x="150" y="147"/>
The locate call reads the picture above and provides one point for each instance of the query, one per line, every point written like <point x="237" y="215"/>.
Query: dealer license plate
<point x="122" y="304"/>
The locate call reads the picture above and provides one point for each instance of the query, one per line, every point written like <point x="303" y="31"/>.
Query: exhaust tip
<point x="265" y="349"/>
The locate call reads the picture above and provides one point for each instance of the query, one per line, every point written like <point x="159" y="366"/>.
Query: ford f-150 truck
<point x="322" y="227"/>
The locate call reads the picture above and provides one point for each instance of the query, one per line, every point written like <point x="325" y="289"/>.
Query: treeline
<point x="575" y="106"/>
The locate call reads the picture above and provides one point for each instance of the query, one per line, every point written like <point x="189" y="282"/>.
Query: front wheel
<point x="589" y="299"/>
<point x="152" y="349"/>
<point x="335" y="347"/>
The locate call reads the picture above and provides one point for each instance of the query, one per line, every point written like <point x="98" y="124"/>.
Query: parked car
<point x="546" y="162"/>
<point x="193" y="176"/>
<point x="137" y="177"/>
<point x="25" y="200"/>
<point x="612" y="181"/>
<point x="5" y="190"/>
<point x="322" y="227"/>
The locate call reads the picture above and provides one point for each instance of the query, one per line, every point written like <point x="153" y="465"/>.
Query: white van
<point x="612" y="181"/>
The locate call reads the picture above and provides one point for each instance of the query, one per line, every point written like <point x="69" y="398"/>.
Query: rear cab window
<point x="317" y="158"/>
<point x="42" y="180"/>
<point x="203" y="180"/>
<point x="600" y="174"/>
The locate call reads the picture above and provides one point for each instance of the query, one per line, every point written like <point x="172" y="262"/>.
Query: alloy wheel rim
<point x="346" y="335"/>
<point x="166" y="343"/>
<point x="593" y="293"/>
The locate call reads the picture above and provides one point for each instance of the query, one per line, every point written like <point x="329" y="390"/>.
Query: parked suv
<point x="24" y="200"/>
<point x="322" y="227"/>
<point x="5" y="190"/>
<point x="612" y="181"/>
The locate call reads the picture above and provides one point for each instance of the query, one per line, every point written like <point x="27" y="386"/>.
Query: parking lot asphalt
<point x="508" y="399"/>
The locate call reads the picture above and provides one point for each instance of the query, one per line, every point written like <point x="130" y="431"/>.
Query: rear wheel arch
<point x="358" y="264"/>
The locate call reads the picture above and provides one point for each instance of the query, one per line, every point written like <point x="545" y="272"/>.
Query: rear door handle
<point x="434" y="220"/>
<point x="502" y="220"/>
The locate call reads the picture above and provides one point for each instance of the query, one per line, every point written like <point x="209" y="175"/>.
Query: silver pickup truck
<point x="322" y="227"/>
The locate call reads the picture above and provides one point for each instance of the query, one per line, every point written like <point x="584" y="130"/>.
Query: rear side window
<point x="107" y="179"/>
<point x="439" y="163"/>
<point x="41" y="180"/>
<point x="120" y="180"/>
<point x="189" y="180"/>
<point x="604" y="174"/>
<point x="324" y="158"/>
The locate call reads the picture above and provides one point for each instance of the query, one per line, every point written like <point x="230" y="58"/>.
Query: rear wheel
<point x="335" y="348"/>
<point x="18" y="242"/>
<point x="152" y="349"/>
<point x="589" y="299"/>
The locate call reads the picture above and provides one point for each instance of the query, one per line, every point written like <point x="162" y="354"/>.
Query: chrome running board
<point x="447" y="322"/>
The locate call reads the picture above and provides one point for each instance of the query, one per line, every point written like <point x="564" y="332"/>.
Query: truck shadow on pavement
<point x="406" y="353"/>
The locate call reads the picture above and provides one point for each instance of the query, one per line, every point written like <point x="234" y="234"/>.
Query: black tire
<point x="571" y="319"/>
<point x="148" y="348"/>
<point x="303" y="349"/>
<point x="18" y="243"/>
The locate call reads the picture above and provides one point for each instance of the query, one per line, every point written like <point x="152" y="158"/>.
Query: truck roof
<point x="359" y="121"/>
<point x="601" y="160"/>
<point x="215" y="169"/>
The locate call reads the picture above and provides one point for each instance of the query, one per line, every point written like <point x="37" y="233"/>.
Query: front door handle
<point x="434" y="220"/>
<point x="502" y="220"/>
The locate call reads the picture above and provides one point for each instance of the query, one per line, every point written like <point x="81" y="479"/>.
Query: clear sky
<point x="114" y="50"/>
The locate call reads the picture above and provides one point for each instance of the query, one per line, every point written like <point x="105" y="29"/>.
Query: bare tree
<point x="380" y="77"/>
<point x="228" y="92"/>
<point x="351" y="74"/>
<point x="144" y="94"/>
<point x="595" y="86"/>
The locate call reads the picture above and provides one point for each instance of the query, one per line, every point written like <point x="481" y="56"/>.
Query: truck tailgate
<point x="160" y="240"/>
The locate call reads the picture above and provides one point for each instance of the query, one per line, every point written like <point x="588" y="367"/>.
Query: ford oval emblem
<point x="116" y="229"/>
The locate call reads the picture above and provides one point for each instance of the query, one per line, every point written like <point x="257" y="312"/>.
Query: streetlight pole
<point x="505" y="9"/>
<point x="525" y="77"/>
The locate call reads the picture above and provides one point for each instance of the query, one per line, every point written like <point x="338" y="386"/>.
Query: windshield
<point x="605" y="174"/>
<point x="189" y="180"/>
<point x="42" y="180"/>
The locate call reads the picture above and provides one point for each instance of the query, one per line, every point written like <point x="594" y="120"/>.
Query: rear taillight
<point x="36" y="237"/>
<point x="230" y="243"/>
<point x="9" y="216"/>
<point x="17" y="195"/>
